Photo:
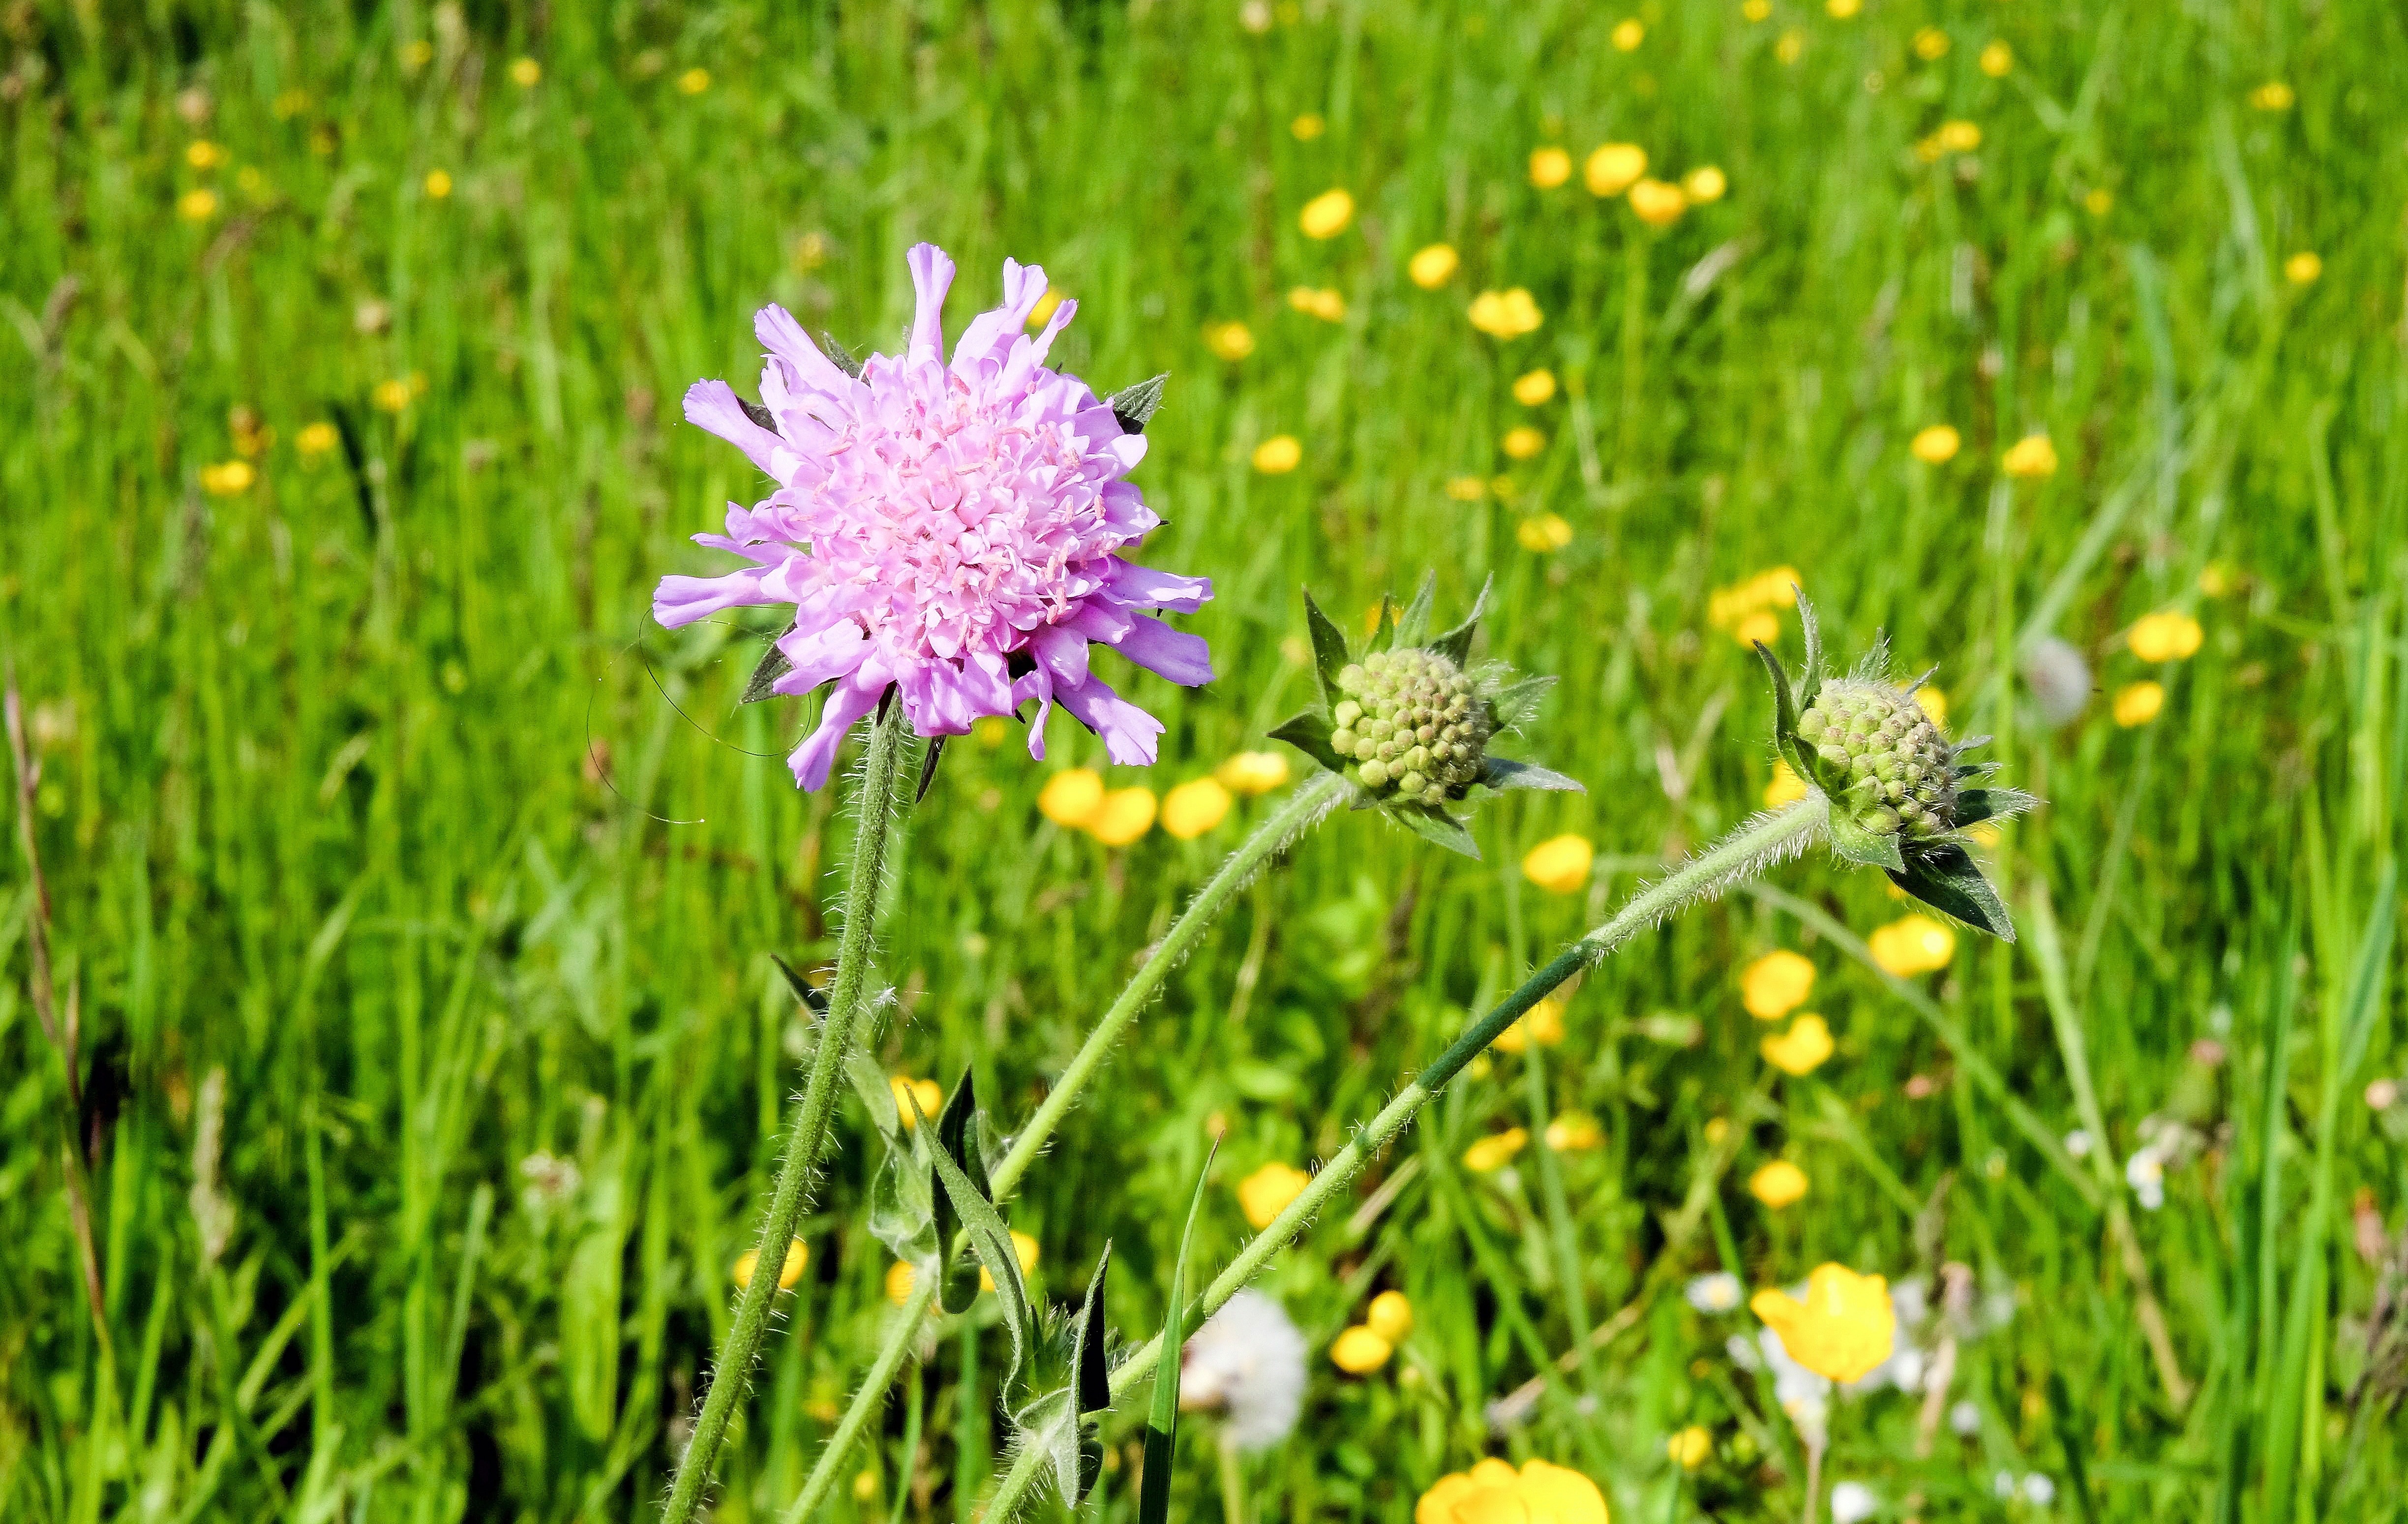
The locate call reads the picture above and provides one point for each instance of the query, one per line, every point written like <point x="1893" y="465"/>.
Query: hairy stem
<point x="1301" y="810"/>
<point x="878" y="802"/>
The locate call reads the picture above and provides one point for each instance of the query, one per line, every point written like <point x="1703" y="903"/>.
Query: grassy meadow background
<point x="365" y="780"/>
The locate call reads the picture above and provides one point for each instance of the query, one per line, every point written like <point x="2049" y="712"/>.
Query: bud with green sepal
<point x="1409" y="719"/>
<point x="1895" y="786"/>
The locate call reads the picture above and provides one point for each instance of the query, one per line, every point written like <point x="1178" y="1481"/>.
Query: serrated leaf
<point x="1455" y="644"/>
<point x="1975" y="805"/>
<point x="1329" y="655"/>
<point x="1810" y="681"/>
<point x="1384" y="628"/>
<point x="1433" y="823"/>
<point x="991" y="1241"/>
<point x="840" y="356"/>
<point x="1945" y="877"/>
<point x="1413" y="625"/>
<point x="1500" y="775"/>
<point x="1518" y="701"/>
<point x="1161" y="1424"/>
<point x="1134" y="405"/>
<point x="1859" y="844"/>
<point x="1309" y="733"/>
<point x="763" y="682"/>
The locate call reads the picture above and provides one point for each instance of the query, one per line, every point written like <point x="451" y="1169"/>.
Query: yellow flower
<point x="1071" y="797"/>
<point x="1936" y="445"/>
<point x="1613" y="168"/>
<point x="1786" y="787"/>
<point x="1628" y="33"/>
<point x="1778" y="1184"/>
<point x="228" y="478"/>
<point x="439" y="184"/>
<point x="392" y="396"/>
<point x="1844" y="1329"/>
<point x="1658" y="203"/>
<point x="1757" y="11"/>
<point x="202" y="155"/>
<point x="2168" y="635"/>
<point x="1561" y="864"/>
<point x="1716" y="1130"/>
<point x="1325" y="215"/>
<point x="1791" y="48"/>
<point x="1279" y="454"/>
<point x="2274" y="95"/>
<point x="1841" y="11"/>
<point x="1933" y="702"/>
<point x="1359" y="1351"/>
<point x="1550" y="167"/>
<point x="1959" y="136"/>
<point x="1543" y="533"/>
<point x="1327" y="305"/>
<point x="1465" y="489"/>
<point x="2138" y="703"/>
<point x="1304" y="129"/>
<point x="865" y="1486"/>
<point x="417" y="55"/>
<point x="1690" y="1449"/>
<point x="1266" y="1193"/>
<point x="900" y="1276"/>
<point x="799" y="1253"/>
<point x="1776" y="983"/>
<point x="1800" y="1050"/>
<point x="1522" y="443"/>
<point x="526" y="73"/>
<point x="1433" y="266"/>
<point x="1023" y="1248"/>
<point x="1194" y="806"/>
<point x="1763" y="627"/>
<point x="1506" y="314"/>
<point x="2302" y="268"/>
<point x="2100" y="202"/>
<point x="694" y="81"/>
<point x="1252" y="772"/>
<point x="1997" y="60"/>
<point x="1492" y="1492"/>
<point x="1574" y="1132"/>
<point x="1497" y="1150"/>
<point x="1534" y="387"/>
<point x="1931" y="44"/>
<point x="1704" y="184"/>
<point x="1126" y="815"/>
<point x="1911" y="944"/>
<point x="317" y="439"/>
<point x="1230" y="342"/>
<point x="1544" y="1021"/>
<point x="1390" y="1316"/>
<point x="989" y="730"/>
<point x="197" y="206"/>
<point x="927" y="1093"/>
<point x="2032" y="455"/>
<point x="2217" y="578"/>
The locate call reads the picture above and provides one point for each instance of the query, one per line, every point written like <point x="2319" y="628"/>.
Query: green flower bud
<point x="1888" y="766"/>
<point x="1418" y="728"/>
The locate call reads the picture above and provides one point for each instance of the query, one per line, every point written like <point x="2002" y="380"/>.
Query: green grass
<point x="318" y="803"/>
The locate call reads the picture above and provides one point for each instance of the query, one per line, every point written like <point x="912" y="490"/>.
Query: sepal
<point x="1945" y="877"/>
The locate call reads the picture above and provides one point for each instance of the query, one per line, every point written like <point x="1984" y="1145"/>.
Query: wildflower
<point x="694" y="81"/>
<point x="1716" y="1293"/>
<point x="1802" y="1049"/>
<point x="2274" y="95"/>
<point x="2078" y="1143"/>
<point x="202" y="155"/>
<point x="1613" y="168"/>
<point x="197" y="206"/>
<point x="2099" y="201"/>
<point x="2145" y="1172"/>
<point x="928" y="1094"/>
<point x="2059" y="677"/>
<point x="1911" y="945"/>
<point x="1543" y="533"/>
<point x="526" y="73"/>
<point x="1690" y="1447"/>
<point x="2302" y="268"/>
<point x="1776" y="983"/>
<point x="1252" y="772"/>
<point x="1266" y="1193"/>
<point x="1931" y="44"/>
<point x="790" y="1270"/>
<point x="439" y="184"/>
<point x="1023" y="1248"/>
<point x="1433" y="266"/>
<point x="1731" y="608"/>
<point x="1523" y="443"/>
<point x="1325" y="215"/>
<point x="1194" y="806"/>
<point x="1757" y="11"/>
<point x="1255" y="16"/>
<point x="1933" y="702"/>
<point x="1936" y="445"/>
<point x="1307" y="127"/>
<point x="1844" y="1329"/>
<point x="316" y="440"/>
<point x="2031" y="456"/>
<point x="1042" y="313"/>
<point x="392" y="396"/>
<point x="2381" y="1094"/>
<point x="900" y="1276"/>
<point x="1784" y="787"/>
<point x="1544" y="1024"/>
<point x="1841" y="10"/>
<point x="1657" y="203"/>
<point x="2168" y="635"/>
<point x="1777" y="1184"/>
<point x="1126" y="815"/>
<point x="1534" y="387"/>
<point x="1004" y="478"/>
<point x="1492" y="1492"/>
<point x="1791" y="46"/>
<point x="1359" y="1351"/>
<point x="1627" y="34"/>
<point x="1278" y="455"/>
<point x="1997" y="60"/>
<point x="1071" y="797"/>
<point x="1959" y="136"/>
<point x="1853" y="1502"/>
<point x="1574" y="1132"/>
<point x="1246" y="1362"/>
<point x="1230" y="342"/>
<point x="1506" y="314"/>
<point x="1550" y="167"/>
<point x="1497" y="1150"/>
<point x="1465" y="489"/>
<point x="2138" y="703"/>
<point x="227" y="478"/>
<point x="864" y="1487"/>
<point x="1390" y="1316"/>
<point x="2039" y="1490"/>
<point x="1704" y="185"/>
<point x="1561" y="864"/>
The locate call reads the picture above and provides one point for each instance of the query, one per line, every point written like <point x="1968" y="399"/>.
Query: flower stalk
<point x="880" y="799"/>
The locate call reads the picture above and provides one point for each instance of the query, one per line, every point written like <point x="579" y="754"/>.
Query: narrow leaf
<point x="1975" y="805"/>
<point x="1945" y="877"/>
<point x="1810" y="681"/>
<point x="1455" y="644"/>
<point x="1785" y="721"/>
<point x="1309" y="733"/>
<point x="928" y="767"/>
<point x="1433" y="823"/>
<point x="956" y="1287"/>
<point x="954" y="1132"/>
<point x="1134" y="405"/>
<point x="763" y="682"/>
<point x="991" y="1241"/>
<point x="1328" y="650"/>
<point x="1384" y="628"/>
<point x="1518" y="701"/>
<point x="1413" y="625"/>
<point x="1864" y="846"/>
<point x="1162" y="1424"/>
<point x="814" y="1000"/>
<point x="1499" y="773"/>
<point x="840" y="356"/>
<point x="1094" y="1377"/>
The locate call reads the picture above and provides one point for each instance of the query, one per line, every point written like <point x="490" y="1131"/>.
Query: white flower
<point x="1716" y="1293"/>
<point x="2077" y="1143"/>
<point x="2038" y="1490"/>
<point x="1966" y="1417"/>
<point x="1852" y="1502"/>
<point x="2145" y="1172"/>
<point x="2003" y="1484"/>
<point x="1248" y="1361"/>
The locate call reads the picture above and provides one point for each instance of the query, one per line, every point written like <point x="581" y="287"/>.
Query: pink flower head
<point x="952" y="530"/>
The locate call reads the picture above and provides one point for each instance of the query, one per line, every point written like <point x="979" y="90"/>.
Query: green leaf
<point x="991" y="1241"/>
<point x="1455" y="644"/>
<point x="1945" y="877"/>
<point x="954" y="1132"/>
<point x="1810" y="681"/>
<point x="1309" y="733"/>
<point x="1975" y="805"/>
<point x="1499" y="773"/>
<point x="1784" y="719"/>
<point x="1518" y="701"/>
<point x="840" y="356"/>
<point x="761" y="416"/>
<point x="1383" y="629"/>
<point x="1328" y="650"/>
<point x="1091" y="1379"/>
<point x="1862" y="845"/>
<point x="1412" y="627"/>
<point x="763" y="682"/>
<point x="1433" y="823"/>
<point x="814" y="1000"/>
<point x="956" y="1287"/>
<point x="1162" y="1424"/>
<point x="1134" y="405"/>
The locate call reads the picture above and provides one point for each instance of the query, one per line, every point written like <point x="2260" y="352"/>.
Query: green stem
<point x="1306" y="806"/>
<point x="878" y="802"/>
<point x="1762" y="842"/>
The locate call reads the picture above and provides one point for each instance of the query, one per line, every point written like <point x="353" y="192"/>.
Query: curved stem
<point x="878" y="802"/>
<point x="1300" y="811"/>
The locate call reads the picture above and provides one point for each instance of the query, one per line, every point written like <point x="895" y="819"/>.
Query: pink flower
<point x="951" y="530"/>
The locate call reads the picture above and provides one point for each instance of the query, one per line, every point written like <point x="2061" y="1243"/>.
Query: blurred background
<point x="410" y="1055"/>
